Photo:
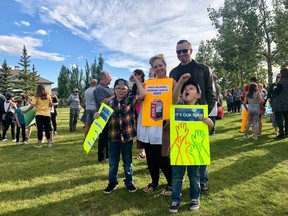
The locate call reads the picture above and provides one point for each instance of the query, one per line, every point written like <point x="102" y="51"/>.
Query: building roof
<point x="40" y="80"/>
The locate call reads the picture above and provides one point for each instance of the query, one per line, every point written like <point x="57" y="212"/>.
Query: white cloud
<point x="13" y="45"/>
<point x="22" y="23"/>
<point x="131" y="30"/>
<point x="41" y="32"/>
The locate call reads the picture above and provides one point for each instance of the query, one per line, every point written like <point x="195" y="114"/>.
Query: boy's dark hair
<point x="19" y="102"/>
<point x="191" y="82"/>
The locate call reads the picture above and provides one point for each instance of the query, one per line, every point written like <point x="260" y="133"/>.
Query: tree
<point x="87" y="75"/>
<point x="26" y="78"/>
<point x="5" y="81"/>
<point x="64" y="89"/>
<point x="239" y="39"/>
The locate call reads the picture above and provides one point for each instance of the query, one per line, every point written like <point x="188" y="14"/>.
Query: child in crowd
<point x="20" y="122"/>
<point x="122" y="130"/>
<point x="254" y="100"/>
<point x="191" y="92"/>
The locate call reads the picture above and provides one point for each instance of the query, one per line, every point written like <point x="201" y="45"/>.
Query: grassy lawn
<point x="247" y="177"/>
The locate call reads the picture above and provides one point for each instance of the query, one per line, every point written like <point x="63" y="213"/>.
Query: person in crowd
<point x="103" y="94"/>
<point x="74" y="103"/>
<point x="237" y="100"/>
<point x="27" y="102"/>
<point x="151" y="74"/>
<point x="53" y="112"/>
<point x="244" y="112"/>
<point x="2" y="111"/>
<point x="212" y="115"/>
<point x="20" y="122"/>
<point x="191" y="92"/>
<point x="254" y="99"/>
<point x="139" y="74"/>
<point x="157" y="155"/>
<point x="280" y="103"/>
<point x="229" y="101"/>
<point x="270" y="98"/>
<point x="8" y="120"/>
<point x="122" y="130"/>
<point x="90" y="105"/>
<point x="42" y="102"/>
<point x="202" y="75"/>
<point x="262" y="107"/>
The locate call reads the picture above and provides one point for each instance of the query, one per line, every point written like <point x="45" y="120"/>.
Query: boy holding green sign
<point x="190" y="92"/>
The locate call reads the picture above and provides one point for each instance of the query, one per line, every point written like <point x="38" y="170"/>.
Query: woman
<point x="9" y="107"/>
<point x="151" y="139"/>
<point x="280" y="103"/>
<point x="54" y="112"/>
<point x="254" y="100"/>
<point x="42" y="103"/>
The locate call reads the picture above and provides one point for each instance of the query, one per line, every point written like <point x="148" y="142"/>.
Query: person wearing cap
<point x="122" y="130"/>
<point x="191" y="93"/>
<point x="74" y="102"/>
<point x="103" y="94"/>
<point x="202" y="75"/>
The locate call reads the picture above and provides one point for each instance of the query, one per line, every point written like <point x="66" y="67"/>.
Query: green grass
<point x="247" y="177"/>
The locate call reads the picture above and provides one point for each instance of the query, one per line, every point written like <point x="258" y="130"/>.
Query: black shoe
<point x="281" y="136"/>
<point x="110" y="188"/>
<point x="131" y="188"/>
<point x="194" y="204"/>
<point x="174" y="207"/>
<point x="204" y="188"/>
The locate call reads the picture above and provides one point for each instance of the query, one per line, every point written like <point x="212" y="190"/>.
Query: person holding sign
<point x="191" y="92"/>
<point x="122" y="130"/>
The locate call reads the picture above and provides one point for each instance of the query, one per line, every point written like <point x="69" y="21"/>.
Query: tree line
<point x="252" y="37"/>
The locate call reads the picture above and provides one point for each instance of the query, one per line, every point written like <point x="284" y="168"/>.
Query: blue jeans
<point x="114" y="150"/>
<point x="203" y="170"/>
<point x="177" y="180"/>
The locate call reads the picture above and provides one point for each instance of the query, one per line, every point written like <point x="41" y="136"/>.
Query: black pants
<point x="43" y="122"/>
<point x="279" y="119"/>
<point x="22" y="132"/>
<point x="6" y="124"/>
<point x="155" y="162"/>
<point x="103" y="144"/>
<point x="53" y="120"/>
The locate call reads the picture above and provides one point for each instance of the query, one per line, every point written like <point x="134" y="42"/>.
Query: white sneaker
<point x="24" y="143"/>
<point x="14" y="140"/>
<point x="38" y="146"/>
<point x="3" y="140"/>
<point x="55" y="132"/>
<point x="17" y="143"/>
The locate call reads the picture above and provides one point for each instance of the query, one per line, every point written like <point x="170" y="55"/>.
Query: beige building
<point x="15" y="75"/>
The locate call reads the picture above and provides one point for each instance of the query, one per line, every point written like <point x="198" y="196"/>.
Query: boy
<point x="20" y="122"/>
<point x="122" y="130"/>
<point x="190" y="92"/>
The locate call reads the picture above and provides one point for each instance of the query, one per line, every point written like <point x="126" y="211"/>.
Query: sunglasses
<point x="184" y="51"/>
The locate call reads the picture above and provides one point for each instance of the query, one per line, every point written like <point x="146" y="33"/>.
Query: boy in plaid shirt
<point x="122" y="130"/>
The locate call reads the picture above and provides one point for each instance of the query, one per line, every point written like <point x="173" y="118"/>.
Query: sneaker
<point x="174" y="207"/>
<point x="17" y="143"/>
<point x="131" y="188"/>
<point x="55" y="132"/>
<point x="194" y="204"/>
<point x="38" y="146"/>
<point x="51" y="141"/>
<point x="14" y="140"/>
<point x="49" y="145"/>
<point x="110" y="188"/>
<point x="24" y="143"/>
<point x="3" y="140"/>
<point x="245" y="136"/>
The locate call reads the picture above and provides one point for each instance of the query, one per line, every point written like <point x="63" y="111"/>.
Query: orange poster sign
<point x="156" y="105"/>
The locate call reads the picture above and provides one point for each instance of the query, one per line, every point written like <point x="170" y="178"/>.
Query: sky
<point x="126" y="32"/>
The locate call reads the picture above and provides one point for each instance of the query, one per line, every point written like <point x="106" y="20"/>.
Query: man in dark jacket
<point x="202" y="75"/>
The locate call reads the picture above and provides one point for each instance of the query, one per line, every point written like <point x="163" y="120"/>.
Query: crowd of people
<point x="193" y="83"/>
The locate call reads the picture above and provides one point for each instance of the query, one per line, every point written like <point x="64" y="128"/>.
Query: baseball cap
<point x="191" y="82"/>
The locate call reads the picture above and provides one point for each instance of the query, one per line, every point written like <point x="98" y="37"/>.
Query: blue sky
<point x="126" y="32"/>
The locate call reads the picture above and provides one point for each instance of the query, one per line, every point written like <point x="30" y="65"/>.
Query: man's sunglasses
<point x="184" y="51"/>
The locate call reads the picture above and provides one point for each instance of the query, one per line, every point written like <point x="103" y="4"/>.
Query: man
<point x="74" y="103"/>
<point x="200" y="74"/>
<point x="90" y="105"/>
<point x="2" y="111"/>
<point x="103" y="94"/>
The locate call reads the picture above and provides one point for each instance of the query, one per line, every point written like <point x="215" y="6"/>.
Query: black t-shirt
<point x="182" y="69"/>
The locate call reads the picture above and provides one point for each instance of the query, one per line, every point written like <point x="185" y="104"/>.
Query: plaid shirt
<point x="122" y="127"/>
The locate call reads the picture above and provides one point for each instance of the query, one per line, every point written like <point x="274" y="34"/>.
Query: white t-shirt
<point x="148" y="134"/>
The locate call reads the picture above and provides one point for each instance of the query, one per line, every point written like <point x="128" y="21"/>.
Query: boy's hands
<point x="184" y="78"/>
<point x="132" y="78"/>
<point x="96" y="115"/>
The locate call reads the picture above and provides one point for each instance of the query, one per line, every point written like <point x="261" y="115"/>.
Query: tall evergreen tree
<point x="64" y="89"/>
<point x="5" y="81"/>
<point x="33" y="79"/>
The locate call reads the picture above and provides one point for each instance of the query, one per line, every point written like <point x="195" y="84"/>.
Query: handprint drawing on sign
<point x="182" y="132"/>
<point x="197" y="145"/>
